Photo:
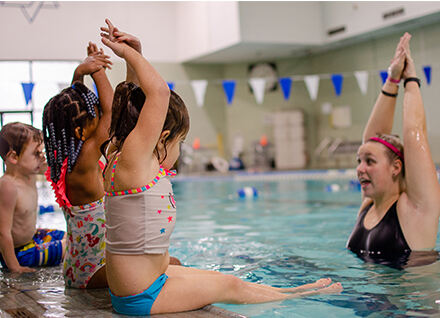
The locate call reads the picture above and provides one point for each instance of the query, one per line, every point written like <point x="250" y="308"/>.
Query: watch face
<point x="267" y="71"/>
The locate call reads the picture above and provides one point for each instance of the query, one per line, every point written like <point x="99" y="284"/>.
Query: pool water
<point x="293" y="233"/>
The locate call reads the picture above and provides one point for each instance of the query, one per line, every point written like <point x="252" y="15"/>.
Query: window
<point x="49" y="78"/>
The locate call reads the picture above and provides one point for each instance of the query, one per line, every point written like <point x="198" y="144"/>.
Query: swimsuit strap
<point x="170" y="173"/>
<point x="162" y="173"/>
<point x="112" y="180"/>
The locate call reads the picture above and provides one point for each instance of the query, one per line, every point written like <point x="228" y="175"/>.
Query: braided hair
<point x="71" y="108"/>
<point x="128" y="101"/>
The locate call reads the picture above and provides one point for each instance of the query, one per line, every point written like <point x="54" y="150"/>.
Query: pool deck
<point x="42" y="294"/>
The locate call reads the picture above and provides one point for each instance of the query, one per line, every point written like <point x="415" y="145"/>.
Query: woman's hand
<point x="397" y="65"/>
<point x="410" y="68"/>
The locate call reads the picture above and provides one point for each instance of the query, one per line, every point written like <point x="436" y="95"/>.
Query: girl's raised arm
<point x="129" y="39"/>
<point x="149" y="126"/>
<point x="95" y="65"/>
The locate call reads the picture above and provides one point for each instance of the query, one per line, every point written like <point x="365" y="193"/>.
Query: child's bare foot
<point x="320" y="283"/>
<point x="335" y="288"/>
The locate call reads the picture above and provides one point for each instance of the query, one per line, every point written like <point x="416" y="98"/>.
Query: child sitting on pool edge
<point x="22" y="246"/>
<point x="75" y="123"/>
<point x="148" y="124"/>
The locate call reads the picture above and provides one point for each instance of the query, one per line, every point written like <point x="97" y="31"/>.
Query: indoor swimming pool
<point x="293" y="233"/>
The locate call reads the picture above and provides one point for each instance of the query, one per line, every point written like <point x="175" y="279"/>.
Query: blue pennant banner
<point x="427" y="70"/>
<point x="27" y="90"/>
<point x="170" y="85"/>
<point x="337" y="80"/>
<point x="286" y="84"/>
<point x="384" y="76"/>
<point x="229" y="88"/>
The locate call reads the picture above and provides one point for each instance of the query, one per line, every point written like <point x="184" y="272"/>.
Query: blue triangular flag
<point x="170" y="85"/>
<point x="427" y="70"/>
<point x="337" y="80"/>
<point x="384" y="76"/>
<point x="286" y="84"/>
<point x="27" y="90"/>
<point x="229" y="88"/>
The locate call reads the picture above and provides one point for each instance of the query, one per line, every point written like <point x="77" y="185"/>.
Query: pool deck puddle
<point x="46" y="296"/>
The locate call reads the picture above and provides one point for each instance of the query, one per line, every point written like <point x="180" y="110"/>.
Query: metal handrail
<point x="335" y="144"/>
<point x="324" y="144"/>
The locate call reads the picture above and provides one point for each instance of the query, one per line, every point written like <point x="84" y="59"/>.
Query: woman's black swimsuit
<point x="384" y="243"/>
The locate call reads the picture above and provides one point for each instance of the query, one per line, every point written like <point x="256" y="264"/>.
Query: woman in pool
<point x="400" y="206"/>
<point x="148" y="124"/>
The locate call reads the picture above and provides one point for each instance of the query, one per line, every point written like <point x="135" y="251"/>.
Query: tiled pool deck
<point x="42" y="294"/>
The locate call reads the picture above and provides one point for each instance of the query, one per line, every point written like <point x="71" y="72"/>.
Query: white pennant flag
<point x="199" y="88"/>
<point x="258" y="85"/>
<point x="362" y="79"/>
<point x="312" y="83"/>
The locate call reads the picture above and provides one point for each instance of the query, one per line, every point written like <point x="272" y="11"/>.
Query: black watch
<point x="411" y="79"/>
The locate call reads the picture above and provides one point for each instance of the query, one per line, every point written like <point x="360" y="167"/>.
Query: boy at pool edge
<point x="22" y="246"/>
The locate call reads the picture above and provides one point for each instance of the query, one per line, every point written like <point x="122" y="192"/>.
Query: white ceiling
<point x="256" y="52"/>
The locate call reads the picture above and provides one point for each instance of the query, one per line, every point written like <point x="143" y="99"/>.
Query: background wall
<point x="248" y="118"/>
<point x="173" y="34"/>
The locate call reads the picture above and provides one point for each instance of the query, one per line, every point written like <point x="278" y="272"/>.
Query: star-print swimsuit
<point x="140" y="221"/>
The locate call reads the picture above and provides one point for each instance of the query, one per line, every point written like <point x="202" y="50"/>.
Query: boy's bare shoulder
<point x="8" y="188"/>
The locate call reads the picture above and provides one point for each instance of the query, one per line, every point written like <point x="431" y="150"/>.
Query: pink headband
<point x="389" y="146"/>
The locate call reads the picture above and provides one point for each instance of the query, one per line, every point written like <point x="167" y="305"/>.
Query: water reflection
<point x="406" y="260"/>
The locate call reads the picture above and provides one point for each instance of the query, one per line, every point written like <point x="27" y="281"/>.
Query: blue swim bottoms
<point x="45" y="249"/>
<point x="140" y="304"/>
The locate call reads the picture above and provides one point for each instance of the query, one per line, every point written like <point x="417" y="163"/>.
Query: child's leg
<point x="176" y="270"/>
<point x="193" y="291"/>
<point x="181" y="270"/>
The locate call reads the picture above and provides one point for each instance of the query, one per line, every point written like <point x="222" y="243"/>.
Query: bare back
<point x="84" y="183"/>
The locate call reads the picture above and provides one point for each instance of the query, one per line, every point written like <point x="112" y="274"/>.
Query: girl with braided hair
<point x="75" y="123"/>
<point x="148" y="124"/>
